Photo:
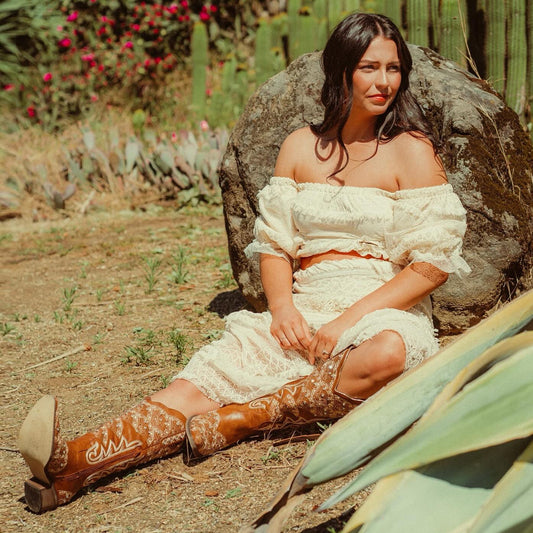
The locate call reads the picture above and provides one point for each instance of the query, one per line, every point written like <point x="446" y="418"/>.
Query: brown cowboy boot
<point x="60" y="468"/>
<point x="305" y="400"/>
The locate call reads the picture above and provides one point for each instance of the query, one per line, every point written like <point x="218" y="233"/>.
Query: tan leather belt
<point x="306" y="262"/>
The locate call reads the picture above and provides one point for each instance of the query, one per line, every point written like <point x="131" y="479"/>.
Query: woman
<point x="360" y="206"/>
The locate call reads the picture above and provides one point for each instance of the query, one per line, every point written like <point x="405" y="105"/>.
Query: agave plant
<point x="466" y="466"/>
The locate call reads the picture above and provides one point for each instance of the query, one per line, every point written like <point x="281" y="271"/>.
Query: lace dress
<point x="300" y="220"/>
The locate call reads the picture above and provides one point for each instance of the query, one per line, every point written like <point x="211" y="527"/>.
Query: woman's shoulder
<point x="295" y="147"/>
<point x="418" y="165"/>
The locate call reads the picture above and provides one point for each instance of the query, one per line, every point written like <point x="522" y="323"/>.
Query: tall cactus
<point x="199" y="59"/>
<point x="418" y="18"/>
<point x="393" y="10"/>
<point x="434" y="34"/>
<point x="263" y="52"/>
<point x="353" y="5"/>
<point x="495" y="17"/>
<point x="452" y="43"/>
<point x="515" y="86"/>
<point x="334" y="13"/>
<point x="293" y="9"/>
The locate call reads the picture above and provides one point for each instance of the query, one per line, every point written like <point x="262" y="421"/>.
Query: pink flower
<point x="31" y="111"/>
<point x="128" y="44"/>
<point x="184" y="4"/>
<point x="135" y="27"/>
<point x="72" y="16"/>
<point x="94" y="98"/>
<point x="208" y="92"/>
<point x="87" y="57"/>
<point x="213" y="9"/>
<point x="65" y="43"/>
<point x="9" y="87"/>
<point x="47" y="76"/>
<point x="204" y="126"/>
<point x="59" y="28"/>
<point x="204" y="16"/>
<point x="174" y="137"/>
<point x="157" y="60"/>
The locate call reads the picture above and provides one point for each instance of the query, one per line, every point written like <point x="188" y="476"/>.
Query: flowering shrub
<point x="101" y="44"/>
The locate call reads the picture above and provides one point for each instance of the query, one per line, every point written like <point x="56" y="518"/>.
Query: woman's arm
<point x="402" y="292"/>
<point x="288" y="327"/>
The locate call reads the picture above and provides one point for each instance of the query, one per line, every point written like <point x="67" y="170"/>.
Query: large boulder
<point x="489" y="162"/>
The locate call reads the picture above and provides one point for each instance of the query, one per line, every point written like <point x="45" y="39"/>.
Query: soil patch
<point x="122" y="300"/>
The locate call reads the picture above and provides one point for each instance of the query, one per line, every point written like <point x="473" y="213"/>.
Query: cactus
<point x="515" y="86"/>
<point x="495" y="10"/>
<point x="452" y="42"/>
<point x="434" y="34"/>
<point x="393" y="10"/>
<point x="293" y="8"/>
<point x="354" y="5"/>
<point x="307" y="34"/>
<point x="334" y="13"/>
<point x="199" y="59"/>
<point x="320" y="9"/>
<point x="418" y="22"/>
<point x="263" y="59"/>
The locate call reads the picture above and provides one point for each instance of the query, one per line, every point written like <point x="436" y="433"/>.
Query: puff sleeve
<point x="274" y="229"/>
<point x="428" y="226"/>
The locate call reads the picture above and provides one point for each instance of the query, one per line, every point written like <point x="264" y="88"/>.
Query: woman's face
<point x="376" y="78"/>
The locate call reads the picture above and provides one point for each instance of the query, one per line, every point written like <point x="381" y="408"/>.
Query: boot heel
<point x="39" y="497"/>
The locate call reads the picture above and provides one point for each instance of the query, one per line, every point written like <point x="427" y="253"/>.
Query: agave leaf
<point x="510" y="508"/>
<point x="420" y="500"/>
<point x="132" y="153"/>
<point x="389" y="412"/>
<point x="395" y="407"/>
<point x="88" y="139"/>
<point x="493" y="409"/>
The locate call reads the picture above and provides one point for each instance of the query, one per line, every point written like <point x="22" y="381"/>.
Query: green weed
<point x="151" y="271"/>
<point x="68" y="298"/>
<point x="70" y="365"/>
<point x="140" y="355"/>
<point x="180" y="343"/>
<point x="232" y="493"/>
<point x="179" y="273"/>
<point x="227" y="277"/>
<point x="120" y="307"/>
<point x="6" y="328"/>
<point x="98" y="338"/>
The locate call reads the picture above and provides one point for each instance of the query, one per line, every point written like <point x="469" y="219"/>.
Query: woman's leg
<point x="371" y="365"/>
<point x="185" y="397"/>
<point x="154" y="428"/>
<point x="330" y="391"/>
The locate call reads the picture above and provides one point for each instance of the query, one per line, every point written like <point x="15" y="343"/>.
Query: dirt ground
<point x="101" y="310"/>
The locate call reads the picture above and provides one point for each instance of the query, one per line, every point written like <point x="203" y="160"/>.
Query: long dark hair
<point x="344" y="49"/>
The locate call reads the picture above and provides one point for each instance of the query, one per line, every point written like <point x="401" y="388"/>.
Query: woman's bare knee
<point x="372" y="365"/>
<point x="184" y="396"/>
<point x="389" y="353"/>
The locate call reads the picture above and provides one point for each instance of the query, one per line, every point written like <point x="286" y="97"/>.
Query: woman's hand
<point x="290" y="328"/>
<point x="326" y="338"/>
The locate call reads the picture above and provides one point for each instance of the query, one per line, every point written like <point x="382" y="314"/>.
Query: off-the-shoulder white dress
<point x="303" y="219"/>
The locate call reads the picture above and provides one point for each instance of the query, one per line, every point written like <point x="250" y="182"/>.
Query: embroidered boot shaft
<point x="60" y="468"/>
<point x="305" y="400"/>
